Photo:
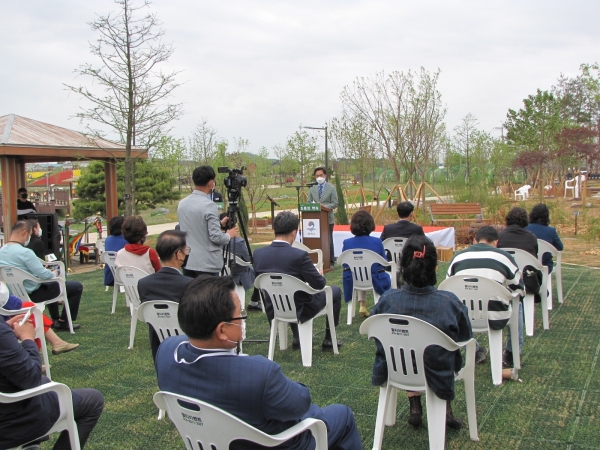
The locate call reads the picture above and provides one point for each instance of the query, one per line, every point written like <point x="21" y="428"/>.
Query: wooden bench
<point x="455" y="209"/>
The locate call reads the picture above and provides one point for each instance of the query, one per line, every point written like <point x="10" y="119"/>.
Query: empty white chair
<point x="108" y="258"/>
<point x="394" y="245"/>
<point x="281" y="288"/>
<point x="570" y="185"/>
<point x="360" y="261"/>
<point x="130" y="276"/>
<point x="219" y="428"/>
<point x="546" y="247"/>
<point x="14" y="279"/>
<point x="406" y="371"/>
<point x="36" y="312"/>
<point x="66" y="420"/>
<point x="526" y="259"/>
<point x="316" y="251"/>
<point x="475" y="293"/>
<point x="523" y="192"/>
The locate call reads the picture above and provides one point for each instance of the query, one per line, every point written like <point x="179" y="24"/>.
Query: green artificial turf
<point x="555" y="407"/>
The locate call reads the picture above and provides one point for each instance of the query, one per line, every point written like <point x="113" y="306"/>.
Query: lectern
<point x="315" y="230"/>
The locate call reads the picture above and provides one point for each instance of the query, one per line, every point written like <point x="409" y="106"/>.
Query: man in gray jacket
<point x="325" y="194"/>
<point x="199" y="217"/>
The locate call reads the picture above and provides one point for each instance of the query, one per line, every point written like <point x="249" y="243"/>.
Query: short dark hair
<point x="21" y="190"/>
<point x="540" y="214"/>
<point x="33" y="222"/>
<point x="320" y="168"/>
<point x="206" y="302"/>
<point x="202" y="175"/>
<point x="285" y="222"/>
<point x="115" y="225"/>
<point x="404" y="209"/>
<point x="517" y="216"/>
<point x="419" y="272"/>
<point x="362" y="223"/>
<point x="169" y="242"/>
<point x="20" y="225"/>
<point x="487" y="234"/>
<point x="134" y="229"/>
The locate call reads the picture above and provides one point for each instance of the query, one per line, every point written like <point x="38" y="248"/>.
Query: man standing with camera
<point x="198" y="215"/>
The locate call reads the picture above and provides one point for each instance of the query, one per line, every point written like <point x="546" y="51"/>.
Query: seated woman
<point x="539" y="218"/>
<point x="135" y="253"/>
<point x="420" y="298"/>
<point x="12" y="303"/>
<point x="361" y="226"/>
<point x="113" y="243"/>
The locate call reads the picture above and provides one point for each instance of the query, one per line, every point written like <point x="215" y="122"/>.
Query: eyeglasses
<point x="186" y="250"/>
<point x="243" y="316"/>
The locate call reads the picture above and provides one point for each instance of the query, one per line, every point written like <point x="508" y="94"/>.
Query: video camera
<point x="234" y="182"/>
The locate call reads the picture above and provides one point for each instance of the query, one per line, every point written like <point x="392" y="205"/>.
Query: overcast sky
<point x="259" y="69"/>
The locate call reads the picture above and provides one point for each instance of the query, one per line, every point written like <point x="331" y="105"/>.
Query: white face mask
<point x="39" y="233"/>
<point x="320" y="180"/>
<point x="243" y="325"/>
<point x="27" y="242"/>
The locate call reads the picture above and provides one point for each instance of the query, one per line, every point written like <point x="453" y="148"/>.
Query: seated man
<point x="20" y="369"/>
<point x="404" y="227"/>
<point x="168" y="283"/>
<point x="483" y="259"/>
<point x="16" y="254"/>
<point x="281" y="257"/>
<point x="204" y="365"/>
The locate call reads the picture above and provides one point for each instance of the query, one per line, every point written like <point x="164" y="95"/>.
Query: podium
<point x="315" y="230"/>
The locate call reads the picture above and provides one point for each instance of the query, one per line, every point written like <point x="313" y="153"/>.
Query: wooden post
<point x="9" y="193"/>
<point x="110" y="178"/>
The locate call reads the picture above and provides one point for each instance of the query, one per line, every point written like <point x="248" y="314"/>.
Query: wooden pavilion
<point x="24" y="140"/>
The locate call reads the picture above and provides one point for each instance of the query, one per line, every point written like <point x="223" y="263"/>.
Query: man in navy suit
<point x="167" y="283"/>
<point x="204" y="365"/>
<point x="281" y="257"/>
<point x="404" y="227"/>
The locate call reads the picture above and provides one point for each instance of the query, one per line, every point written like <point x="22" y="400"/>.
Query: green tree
<point x="169" y="153"/>
<point x="340" y="213"/>
<point x="153" y="185"/>
<point x="302" y="148"/>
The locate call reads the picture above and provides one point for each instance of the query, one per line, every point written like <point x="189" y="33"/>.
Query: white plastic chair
<point x="14" y="279"/>
<point x="523" y="192"/>
<point x="475" y="293"/>
<point x="281" y="289"/>
<point x="66" y="420"/>
<point x="523" y="259"/>
<point x="571" y="185"/>
<point x="108" y="258"/>
<point x="546" y="247"/>
<point x="401" y="336"/>
<point x="316" y="251"/>
<point x="130" y="276"/>
<point x="360" y="261"/>
<point x="394" y="245"/>
<point x="39" y="329"/>
<point x="204" y="426"/>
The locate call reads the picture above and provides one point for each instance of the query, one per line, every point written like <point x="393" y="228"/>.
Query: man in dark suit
<point x="167" y="283"/>
<point x="281" y="257"/>
<point x="404" y="227"/>
<point x="21" y="369"/>
<point x="325" y="194"/>
<point x="203" y="364"/>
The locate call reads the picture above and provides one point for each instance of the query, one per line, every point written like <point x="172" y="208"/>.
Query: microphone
<point x="314" y="183"/>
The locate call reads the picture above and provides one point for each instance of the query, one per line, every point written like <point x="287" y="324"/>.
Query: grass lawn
<point x="555" y="407"/>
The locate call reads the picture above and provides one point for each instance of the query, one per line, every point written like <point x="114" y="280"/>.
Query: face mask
<point x="39" y="233"/>
<point x="243" y="325"/>
<point x="320" y="180"/>
<point x="27" y="242"/>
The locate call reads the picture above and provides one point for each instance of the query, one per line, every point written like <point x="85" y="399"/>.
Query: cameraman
<point x="199" y="217"/>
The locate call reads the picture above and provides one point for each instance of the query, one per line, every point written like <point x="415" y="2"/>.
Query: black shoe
<point x="328" y="344"/>
<point x="296" y="344"/>
<point x="481" y="355"/>
<point x="255" y="307"/>
<point x="451" y="421"/>
<point x="416" y="411"/>
<point x="507" y="359"/>
<point x="58" y="325"/>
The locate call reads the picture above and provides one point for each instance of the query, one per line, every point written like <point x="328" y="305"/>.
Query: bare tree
<point x="131" y="92"/>
<point x="464" y="138"/>
<point x="203" y="148"/>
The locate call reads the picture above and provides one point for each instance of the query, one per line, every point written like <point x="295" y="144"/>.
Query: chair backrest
<point x="545" y="247"/>
<point x="109" y="258"/>
<point x="281" y="289"/>
<point x="394" y="245"/>
<point x="162" y="315"/>
<point x="523" y="259"/>
<point x="316" y="251"/>
<point x="14" y="279"/>
<point x="360" y="261"/>
<point x="100" y="244"/>
<point x="475" y="293"/>
<point x="130" y="276"/>
<point x="404" y="340"/>
<point x="204" y="426"/>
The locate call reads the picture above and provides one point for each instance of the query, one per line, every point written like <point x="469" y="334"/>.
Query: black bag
<point x="533" y="281"/>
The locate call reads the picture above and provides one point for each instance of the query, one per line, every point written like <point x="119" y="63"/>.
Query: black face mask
<point x="186" y="260"/>
<point x="23" y="196"/>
